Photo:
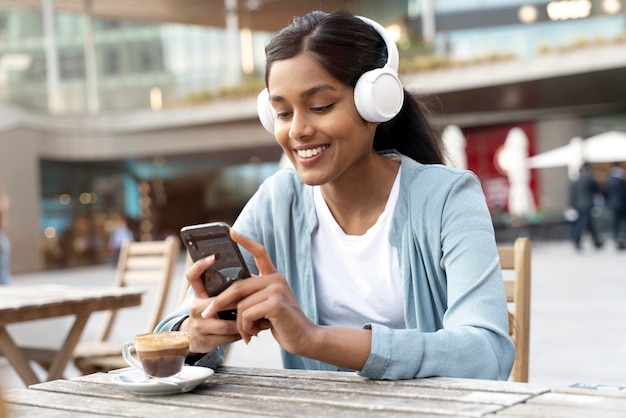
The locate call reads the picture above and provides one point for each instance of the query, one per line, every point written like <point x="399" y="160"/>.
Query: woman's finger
<point x="208" y="333"/>
<point x="235" y="293"/>
<point x="194" y="275"/>
<point x="261" y="258"/>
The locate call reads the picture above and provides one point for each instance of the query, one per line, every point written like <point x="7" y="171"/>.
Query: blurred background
<point x="148" y="109"/>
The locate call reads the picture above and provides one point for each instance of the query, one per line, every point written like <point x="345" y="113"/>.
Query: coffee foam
<point x="161" y="340"/>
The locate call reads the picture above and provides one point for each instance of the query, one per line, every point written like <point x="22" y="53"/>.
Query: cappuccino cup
<point x="161" y="354"/>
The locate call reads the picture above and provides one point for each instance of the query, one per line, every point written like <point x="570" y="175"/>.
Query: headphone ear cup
<point x="264" y="109"/>
<point x="378" y="95"/>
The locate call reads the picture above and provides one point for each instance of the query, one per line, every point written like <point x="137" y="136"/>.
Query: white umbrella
<point x="606" y="147"/>
<point x="554" y="158"/>
<point x="511" y="157"/>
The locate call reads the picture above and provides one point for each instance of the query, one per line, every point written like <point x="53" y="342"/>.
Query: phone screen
<point x="214" y="238"/>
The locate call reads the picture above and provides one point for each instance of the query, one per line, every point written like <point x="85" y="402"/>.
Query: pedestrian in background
<point x="582" y="194"/>
<point x="5" y="244"/>
<point x="120" y="234"/>
<point x="616" y="201"/>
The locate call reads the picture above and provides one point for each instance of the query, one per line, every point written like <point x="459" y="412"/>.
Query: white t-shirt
<point x="357" y="277"/>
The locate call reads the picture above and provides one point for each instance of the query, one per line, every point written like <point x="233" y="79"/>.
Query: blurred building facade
<point x="101" y="111"/>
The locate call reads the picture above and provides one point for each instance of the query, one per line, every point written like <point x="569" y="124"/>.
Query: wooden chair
<point x="184" y="286"/>
<point x="140" y="262"/>
<point x="515" y="263"/>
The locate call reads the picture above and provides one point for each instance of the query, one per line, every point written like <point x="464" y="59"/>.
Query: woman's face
<point x="317" y="123"/>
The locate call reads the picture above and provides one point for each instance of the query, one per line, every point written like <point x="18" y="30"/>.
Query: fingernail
<point x="209" y="258"/>
<point x="206" y="312"/>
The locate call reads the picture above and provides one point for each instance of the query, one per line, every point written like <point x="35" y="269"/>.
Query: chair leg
<point x="42" y="356"/>
<point x="83" y="368"/>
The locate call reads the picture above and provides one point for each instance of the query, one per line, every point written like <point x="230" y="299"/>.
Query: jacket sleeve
<point x="456" y="300"/>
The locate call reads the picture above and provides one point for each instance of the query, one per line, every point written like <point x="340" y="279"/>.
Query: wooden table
<point x="247" y="392"/>
<point x="252" y="392"/>
<point x="29" y="303"/>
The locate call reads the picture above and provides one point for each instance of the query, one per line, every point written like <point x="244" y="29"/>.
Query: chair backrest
<point x="145" y="262"/>
<point x="184" y="285"/>
<point x="516" y="259"/>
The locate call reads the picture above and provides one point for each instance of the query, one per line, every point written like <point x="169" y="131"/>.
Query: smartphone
<point x="214" y="238"/>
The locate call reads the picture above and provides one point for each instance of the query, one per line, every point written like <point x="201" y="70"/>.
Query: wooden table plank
<point x="201" y="399"/>
<point x="590" y="402"/>
<point x="433" y="382"/>
<point x="27" y="411"/>
<point x="207" y="397"/>
<point x="609" y="391"/>
<point x="530" y="410"/>
<point x="312" y="393"/>
<point x="130" y="406"/>
<point x="28" y="303"/>
<point x="251" y="392"/>
<point x="369" y="388"/>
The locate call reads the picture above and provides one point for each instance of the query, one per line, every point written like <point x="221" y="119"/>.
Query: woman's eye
<point x="321" y="109"/>
<point x="283" y="115"/>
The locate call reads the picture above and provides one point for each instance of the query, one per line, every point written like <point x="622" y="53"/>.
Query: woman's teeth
<point x="311" y="152"/>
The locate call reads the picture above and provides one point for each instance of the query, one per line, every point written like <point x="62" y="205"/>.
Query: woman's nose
<point x="300" y="126"/>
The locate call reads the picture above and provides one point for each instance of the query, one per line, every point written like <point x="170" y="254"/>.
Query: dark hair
<point x="347" y="47"/>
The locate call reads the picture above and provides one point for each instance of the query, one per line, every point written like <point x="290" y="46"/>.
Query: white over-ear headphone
<point x="378" y="94"/>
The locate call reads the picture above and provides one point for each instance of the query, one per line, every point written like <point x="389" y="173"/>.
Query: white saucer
<point x="135" y="381"/>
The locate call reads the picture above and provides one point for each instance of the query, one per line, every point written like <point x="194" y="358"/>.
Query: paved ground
<point x="578" y="323"/>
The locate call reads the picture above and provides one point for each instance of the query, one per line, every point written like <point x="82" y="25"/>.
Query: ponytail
<point x="410" y="133"/>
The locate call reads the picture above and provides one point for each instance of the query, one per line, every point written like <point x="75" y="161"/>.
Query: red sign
<point x="483" y="144"/>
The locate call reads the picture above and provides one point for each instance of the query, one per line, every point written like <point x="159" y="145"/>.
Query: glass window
<point x="108" y="24"/>
<point x="526" y="40"/>
<point x="111" y="64"/>
<point x="36" y="72"/>
<point x="445" y="6"/>
<point x="151" y="57"/>
<point x="31" y="24"/>
<point x="71" y="64"/>
<point x="3" y="25"/>
<point x="68" y="24"/>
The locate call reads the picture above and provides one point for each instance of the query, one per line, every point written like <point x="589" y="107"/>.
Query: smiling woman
<point x="367" y="253"/>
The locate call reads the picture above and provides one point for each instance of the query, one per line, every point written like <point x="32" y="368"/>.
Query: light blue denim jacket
<point x="454" y="304"/>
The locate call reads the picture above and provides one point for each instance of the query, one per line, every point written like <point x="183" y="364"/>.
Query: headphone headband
<point x="393" y="59"/>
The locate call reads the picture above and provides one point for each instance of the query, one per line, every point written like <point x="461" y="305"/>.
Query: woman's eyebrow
<point x="306" y="93"/>
<point x="316" y="89"/>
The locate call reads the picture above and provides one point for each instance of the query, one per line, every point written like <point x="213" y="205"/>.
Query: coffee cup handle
<point x="128" y="357"/>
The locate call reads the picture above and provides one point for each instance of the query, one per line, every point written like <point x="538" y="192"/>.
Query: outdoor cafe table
<point x="251" y="392"/>
<point x="36" y="302"/>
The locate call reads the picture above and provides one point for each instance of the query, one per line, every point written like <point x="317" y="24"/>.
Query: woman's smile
<point x="311" y="152"/>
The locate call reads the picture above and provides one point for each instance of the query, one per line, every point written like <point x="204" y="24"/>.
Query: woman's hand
<point x="265" y="302"/>
<point x="207" y="333"/>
